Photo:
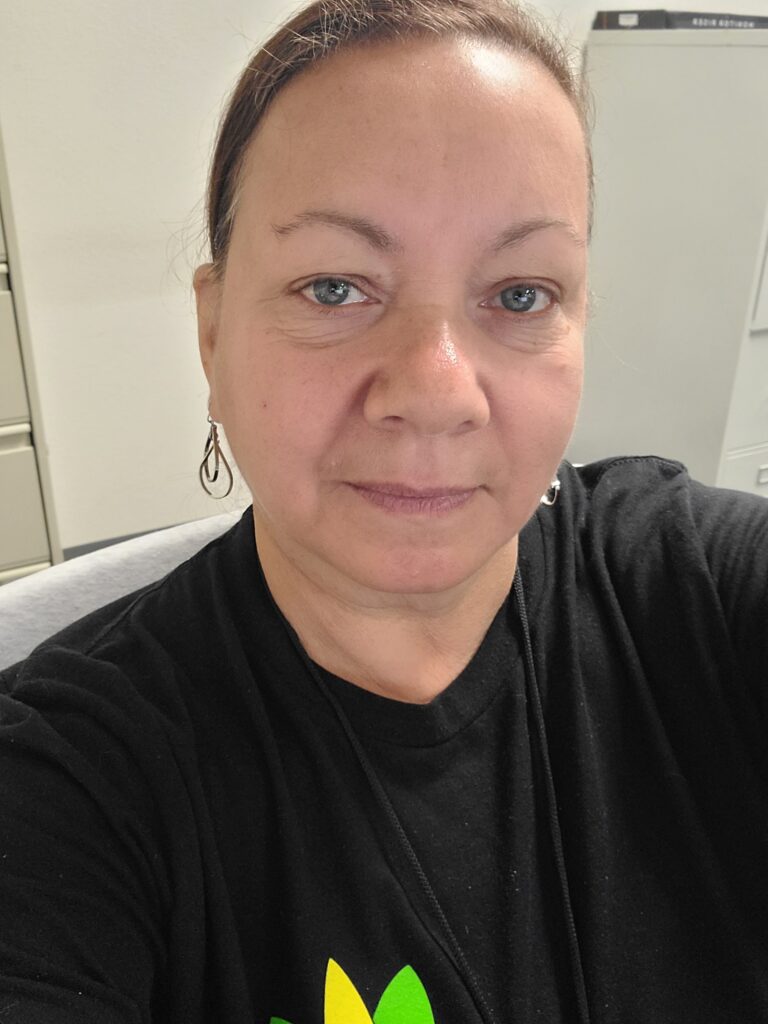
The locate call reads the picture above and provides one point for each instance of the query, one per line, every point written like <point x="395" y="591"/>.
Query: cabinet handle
<point x="18" y="435"/>
<point x="762" y="475"/>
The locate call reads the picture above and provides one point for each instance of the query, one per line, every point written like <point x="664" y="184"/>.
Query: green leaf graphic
<point x="404" y="1001"/>
<point x="278" y="1020"/>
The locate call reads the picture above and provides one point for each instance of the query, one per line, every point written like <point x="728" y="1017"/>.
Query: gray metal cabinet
<point x="24" y="542"/>
<point x="27" y="531"/>
<point x="677" y="344"/>
<point x="14" y="407"/>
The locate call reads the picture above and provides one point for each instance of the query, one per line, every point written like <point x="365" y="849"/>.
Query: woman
<point x="411" y="743"/>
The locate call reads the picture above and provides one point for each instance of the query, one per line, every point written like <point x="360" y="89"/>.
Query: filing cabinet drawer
<point x="747" y="472"/>
<point x="23" y="536"/>
<point x="748" y="420"/>
<point x="13" y="395"/>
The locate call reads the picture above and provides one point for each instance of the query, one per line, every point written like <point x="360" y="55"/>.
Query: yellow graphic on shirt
<point x="343" y="1004"/>
<point x="404" y="1000"/>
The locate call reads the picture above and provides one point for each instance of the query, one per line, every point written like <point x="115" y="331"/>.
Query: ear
<point x="207" y="285"/>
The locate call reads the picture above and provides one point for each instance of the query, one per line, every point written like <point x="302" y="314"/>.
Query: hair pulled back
<point x="326" y="27"/>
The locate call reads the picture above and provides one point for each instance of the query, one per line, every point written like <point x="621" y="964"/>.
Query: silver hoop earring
<point x="211" y="475"/>
<point x="550" y="497"/>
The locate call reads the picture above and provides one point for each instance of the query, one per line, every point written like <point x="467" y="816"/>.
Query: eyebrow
<point x="380" y="239"/>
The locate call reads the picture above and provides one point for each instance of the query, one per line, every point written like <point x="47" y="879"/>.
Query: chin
<point x="412" y="572"/>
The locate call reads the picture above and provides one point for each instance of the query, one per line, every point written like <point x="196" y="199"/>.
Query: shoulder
<point x="139" y="654"/>
<point x="642" y="529"/>
<point x="669" y="551"/>
<point x="125" y="701"/>
<point x="632" y="485"/>
<point x="177" y="593"/>
<point x="642" y="499"/>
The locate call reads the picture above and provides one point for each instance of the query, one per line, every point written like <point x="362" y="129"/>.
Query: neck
<point x="404" y="647"/>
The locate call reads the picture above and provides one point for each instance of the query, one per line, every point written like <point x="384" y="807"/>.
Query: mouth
<point x="404" y="491"/>
<point x="424" y="501"/>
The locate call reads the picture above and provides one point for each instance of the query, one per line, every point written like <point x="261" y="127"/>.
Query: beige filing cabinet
<point x="27" y="534"/>
<point x="677" y="346"/>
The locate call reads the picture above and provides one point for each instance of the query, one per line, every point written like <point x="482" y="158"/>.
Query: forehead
<point x="438" y="124"/>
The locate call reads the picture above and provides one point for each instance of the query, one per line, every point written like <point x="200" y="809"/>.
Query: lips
<point x="422" y="502"/>
<point x="404" y="491"/>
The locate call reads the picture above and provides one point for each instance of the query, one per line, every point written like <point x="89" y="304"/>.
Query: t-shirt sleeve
<point x="81" y="880"/>
<point x="733" y="527"/>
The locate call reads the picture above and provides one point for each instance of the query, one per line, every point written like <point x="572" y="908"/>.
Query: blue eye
<point x="526" y="298"/>
<point x="330" y="291"/>
<point x="522" y="298"/>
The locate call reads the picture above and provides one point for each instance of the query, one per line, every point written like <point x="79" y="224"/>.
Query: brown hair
<point x="327" y="26"/>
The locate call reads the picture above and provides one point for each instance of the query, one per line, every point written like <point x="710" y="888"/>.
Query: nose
<point x="427" y="380"/>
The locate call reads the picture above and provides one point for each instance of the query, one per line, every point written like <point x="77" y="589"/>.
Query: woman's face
<point x="395" y="351"/>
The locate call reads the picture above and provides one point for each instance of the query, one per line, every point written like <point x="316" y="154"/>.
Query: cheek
<point x="280" y="414"/>
<point x="564" y="390"/>
<point x="540" y="405"/>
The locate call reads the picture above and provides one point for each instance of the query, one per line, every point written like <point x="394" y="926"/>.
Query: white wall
<point x="107" y="113"/>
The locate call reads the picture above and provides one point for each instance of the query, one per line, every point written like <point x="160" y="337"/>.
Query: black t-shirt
<point x="188" y="833"/>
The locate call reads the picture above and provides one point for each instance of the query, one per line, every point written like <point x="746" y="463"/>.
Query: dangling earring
<point x="213" y="448"/>
<point x="550" y="497"/>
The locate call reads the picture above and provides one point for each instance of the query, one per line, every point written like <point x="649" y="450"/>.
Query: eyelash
<point x="334" y="310"/>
